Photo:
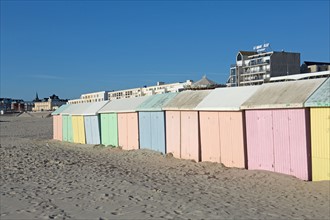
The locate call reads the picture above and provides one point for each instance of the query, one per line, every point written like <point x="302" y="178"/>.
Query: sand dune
<point x="46" y="179"/>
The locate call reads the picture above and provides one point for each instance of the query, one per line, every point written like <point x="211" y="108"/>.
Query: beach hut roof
<point x="90" y="108"/>
<point x="226" y="99"/>
<point x="60" y="109"/>
<point x="71" y="108"/>
<point x="282" y="94"/>
<point x="156" y="102"/>
<point x="123" y="105"/>
<point x="186" y="100"/>
<point x="321" y="97"/>
<point x="93" y="108"/>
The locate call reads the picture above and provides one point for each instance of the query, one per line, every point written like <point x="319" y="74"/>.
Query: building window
<point x="239" y="57"/>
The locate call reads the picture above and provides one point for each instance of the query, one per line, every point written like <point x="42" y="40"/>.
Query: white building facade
<point x="90" y="97"/>
<point x="257" y="67"/>
<point x="159" y="88"/>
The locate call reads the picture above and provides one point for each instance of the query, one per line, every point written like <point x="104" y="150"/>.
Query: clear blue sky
<point x="74" y="47"/>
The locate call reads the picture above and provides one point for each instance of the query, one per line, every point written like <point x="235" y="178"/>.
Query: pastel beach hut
<point x="73" y="123"/>
<point x="85" y="122"/>
<point x="80" y="123"/>
<point x="152" y="122"/>
<point x="182" y="125"/>
<point x="319" y="104"/>
<point x="92" y="122"/>
<point x="57" y="122"/>
<point x="109" y="127"/>
<point x="278" y="128"/>
<point x="67" y="128"/>
<point x="121" y="114"/>
<point x="222" y="126"/>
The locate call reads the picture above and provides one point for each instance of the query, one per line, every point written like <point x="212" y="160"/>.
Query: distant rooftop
<point x="247" y="53"/>
<point x="300" y="76"/>
<point x="204" y="82"/>
<point x="310" y="63"/>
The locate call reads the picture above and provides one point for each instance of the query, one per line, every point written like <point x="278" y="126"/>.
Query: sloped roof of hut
<point x="292" y="94"/>
<point x="321" y="97"/>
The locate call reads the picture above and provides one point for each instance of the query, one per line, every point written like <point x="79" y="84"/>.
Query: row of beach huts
<point x="281" y="127"/>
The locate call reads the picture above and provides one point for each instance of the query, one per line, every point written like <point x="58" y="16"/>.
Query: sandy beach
<point x="46" y="179"/>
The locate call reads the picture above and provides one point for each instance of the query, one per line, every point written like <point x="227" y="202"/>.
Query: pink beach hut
<point x="222" y="131"/>
<point x="182" y="125"/>
<point x="278" y="128"/>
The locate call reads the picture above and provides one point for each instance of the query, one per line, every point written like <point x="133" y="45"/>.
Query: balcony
<point x="254" y="82"/>
<point x="256" y="63"/>
<point x="255" y="73"/>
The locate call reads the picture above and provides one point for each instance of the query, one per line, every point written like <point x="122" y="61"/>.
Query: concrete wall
<point x="283" y="63"/>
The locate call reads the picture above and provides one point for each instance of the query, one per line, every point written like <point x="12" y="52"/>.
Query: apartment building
<point x="90" y="97"/>
<point x="159" y="88"/>
<point x="95" y="96"/>
<point x="255" y="68"/>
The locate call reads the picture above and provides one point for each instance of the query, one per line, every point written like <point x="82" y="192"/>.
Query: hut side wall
<point x="281" y="141"/>
<point x="70" y="129"/>
<point x="320" y="141"/>
<point x="122" y="130"/>
<point x="145" y="130"/>
<point x="64" y="128"/>
<point x="78" y="129"/>
<point x="54" y="127"/>
<point x="113" y="121"/>
<point x="222" y="138"/>
<point x="259" y="138"/>
<point x="190" y="136"/>
<point x="67" y="128"/>
<point x="57" y="127"/>
<point x="132" y="131"/>
<point x="232" y="139"/>
<point x="278" y="140"/>
<point x="152" y="131"/>
<point x="75" y="129"/>
<point x="210" y="136"/>
<point x="173" y="133"/>
<point x="128" y="131"/>
<point x="109" y="129"/>
<point x="158" y="131"/>
<point x="88" y="129"/>
<point x="299" y="131"/>
<point x="92" y="130"/>
<point x="105" y="128"/>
